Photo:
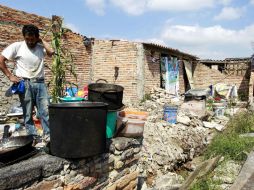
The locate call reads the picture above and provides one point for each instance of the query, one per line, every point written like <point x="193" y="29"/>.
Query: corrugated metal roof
<point x="171" y="49"/>
<point x="225" y="60"/>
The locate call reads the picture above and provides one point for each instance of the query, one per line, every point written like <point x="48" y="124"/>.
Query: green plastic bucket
<point x="111" y="123"/>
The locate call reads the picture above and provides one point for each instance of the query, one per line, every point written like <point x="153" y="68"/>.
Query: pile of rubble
<point x="167" y="146"/>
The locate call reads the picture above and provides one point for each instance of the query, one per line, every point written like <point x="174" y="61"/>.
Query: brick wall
<point x="110" y="54"/>
<point x="128" y="56"/>
<point x="99" y="60"/>
<point x="11" y="23"/>
<point x="205" y="76"/>
<point x="152" y="69"/>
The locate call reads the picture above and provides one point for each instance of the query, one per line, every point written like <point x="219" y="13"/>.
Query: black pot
<point x="77" y="130"/>
<point x="108" y="93"/>
<point x="15" y="147"/>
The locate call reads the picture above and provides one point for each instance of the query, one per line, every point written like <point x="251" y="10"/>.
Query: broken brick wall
<point x="116" y="62"/>
<point x="120" y="62"/>
<point x="11" y="23"/>
<point x="152" y="61"/>
<point x="152" y="69"/>
<point x="205" y="76"/>
<point x="138" y="70"/>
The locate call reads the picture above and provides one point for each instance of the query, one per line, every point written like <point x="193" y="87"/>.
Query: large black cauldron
<point x="77" y="129"/>
<point x="108" y="93"/>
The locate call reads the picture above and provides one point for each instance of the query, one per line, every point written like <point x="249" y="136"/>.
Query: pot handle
<point x="102" y="80"/>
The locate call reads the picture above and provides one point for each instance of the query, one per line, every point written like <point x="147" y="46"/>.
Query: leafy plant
<point x="146" y="97"/>
<point x="62" y="62"/>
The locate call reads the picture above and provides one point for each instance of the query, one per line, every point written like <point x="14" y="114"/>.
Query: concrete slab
<point x="245" y="180"/>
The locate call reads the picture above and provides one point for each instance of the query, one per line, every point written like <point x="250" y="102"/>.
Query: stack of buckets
<point x="170" y="113"/>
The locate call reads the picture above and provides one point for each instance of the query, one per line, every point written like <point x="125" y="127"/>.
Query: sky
<point x="209" y="29"/>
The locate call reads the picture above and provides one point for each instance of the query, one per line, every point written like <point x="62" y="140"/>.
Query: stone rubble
<point x="167" y="146"/>
<point x="144" y="163"/>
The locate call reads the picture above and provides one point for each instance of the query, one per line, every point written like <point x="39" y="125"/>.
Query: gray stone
<point x="245" y="178"/>
<point x="73" y="173"/>
<point x="122" y="143"/>
<point x="29" y="171"/>
<point x="127" y="154"/>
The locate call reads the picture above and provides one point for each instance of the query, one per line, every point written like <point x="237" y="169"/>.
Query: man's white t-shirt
<point x="29" y="61"/>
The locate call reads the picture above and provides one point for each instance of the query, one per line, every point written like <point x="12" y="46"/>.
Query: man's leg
<point x="26" y="100"/>
<point x="42" y="103"/>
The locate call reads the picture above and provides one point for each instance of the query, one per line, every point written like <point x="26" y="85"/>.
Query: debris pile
<point x="167" y="146"/>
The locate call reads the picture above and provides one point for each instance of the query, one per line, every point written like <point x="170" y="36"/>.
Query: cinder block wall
<point x="11" y="23"/>
<point x="204" y="77"/>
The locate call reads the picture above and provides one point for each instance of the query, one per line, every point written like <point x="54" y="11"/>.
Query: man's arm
<point x="47" y="47"/>
<point x="6" y="71"/>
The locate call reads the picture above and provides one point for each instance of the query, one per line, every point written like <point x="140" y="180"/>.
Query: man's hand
<point x="14" y="79"/>
<point x="47" y="47"/>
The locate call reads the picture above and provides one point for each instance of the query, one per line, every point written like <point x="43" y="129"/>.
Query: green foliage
<point x="146" y="97"/>
<point x="205" y="184"/>
<point x="62" y="62"/>
<point x="229" y="144"/>
<point x="241" y="123"/>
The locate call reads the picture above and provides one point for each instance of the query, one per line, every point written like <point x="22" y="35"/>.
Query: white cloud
<point x="229" y="13"/>
<point x="137" y="7"/>
<point x="226" y="2"/>
<point x="133" y="7"/>
<point x="153" y="40"/>
<point x="98" y="6"/>
<point x="72" y="27"/>
<point x="210" y="42"/>
<point x="252" y="2"/>
<point x="179" y="5"/>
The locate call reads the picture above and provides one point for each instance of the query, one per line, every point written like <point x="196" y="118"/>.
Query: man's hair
<point x="30" y="29"/>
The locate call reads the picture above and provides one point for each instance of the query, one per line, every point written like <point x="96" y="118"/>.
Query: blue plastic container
<point x="170" y="114"/>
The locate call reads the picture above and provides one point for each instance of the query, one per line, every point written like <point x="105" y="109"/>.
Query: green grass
<point x="228" y="143"/>
<point x="206" y="184"/>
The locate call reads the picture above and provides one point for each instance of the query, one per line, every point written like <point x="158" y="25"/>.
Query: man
<point x="29" y="56"/>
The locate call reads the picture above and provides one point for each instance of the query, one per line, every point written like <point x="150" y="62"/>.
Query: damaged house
<point x="137" y="66"/>
<point x="232" y="71"/>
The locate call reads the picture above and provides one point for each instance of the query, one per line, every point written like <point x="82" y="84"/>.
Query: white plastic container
<point x="219" y="111"/>
<point x="133" y="128"/>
